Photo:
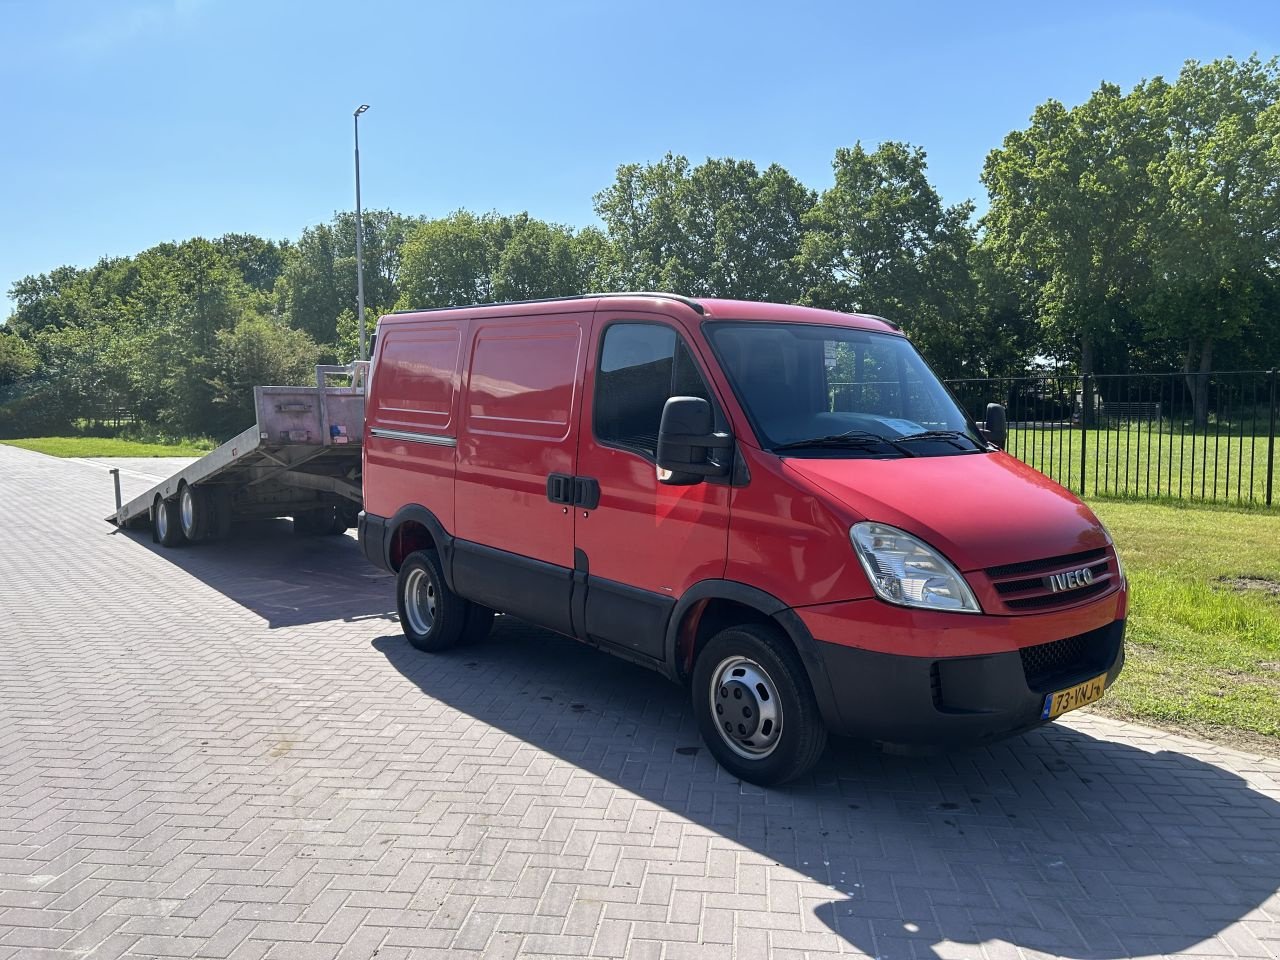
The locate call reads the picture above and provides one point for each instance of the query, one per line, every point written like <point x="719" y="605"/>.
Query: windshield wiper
<point x="850" y="438"/>
<point x="951" y="435"/>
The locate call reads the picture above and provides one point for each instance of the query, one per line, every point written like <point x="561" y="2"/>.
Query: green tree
<point x="318" y="281"/>
<point x="881" y="240"/>
<point x="259" y="262"/>
<point x="1216" y="234"/>
<point x="256" y="351"/>
<point x="17" y="359"/>
<point x="1070" y="203"/>
<point x="469" y="258"/>
<point x="720" y="229"/>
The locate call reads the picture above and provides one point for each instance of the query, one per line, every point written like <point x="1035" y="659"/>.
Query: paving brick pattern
<point x="229" y="751"/>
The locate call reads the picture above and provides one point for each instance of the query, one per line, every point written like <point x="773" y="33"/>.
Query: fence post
<point x="1085" y="402"/>
<point x="1271" y="433"/>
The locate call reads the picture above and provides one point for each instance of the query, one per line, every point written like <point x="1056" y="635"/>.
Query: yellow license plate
<point x="1056" y="704"/>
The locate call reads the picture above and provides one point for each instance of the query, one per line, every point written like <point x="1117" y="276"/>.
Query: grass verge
<point x="1204" y="652"/>
<point x="110" y="447"/>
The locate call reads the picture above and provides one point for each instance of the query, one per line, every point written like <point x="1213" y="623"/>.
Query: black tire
<point x="166" y="524"/>
<point x="763" y="697"/>
<point x="432" y="616"/>
<point x="193" y="512"/>
<point x="339" y="522"/>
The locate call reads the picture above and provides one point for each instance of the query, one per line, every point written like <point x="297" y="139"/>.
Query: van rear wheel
<point x="755" y="707"/>
<point x="432" y="616"/>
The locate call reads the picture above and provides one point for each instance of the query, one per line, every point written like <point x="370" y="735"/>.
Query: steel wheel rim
<point x="162" y="520"/>
<point x="745" y="707"/>
<point x="420" y="599"/>
<point x="188" y="510"/>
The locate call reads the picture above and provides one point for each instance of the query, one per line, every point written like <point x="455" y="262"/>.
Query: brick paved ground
<point x="229" y="751"/>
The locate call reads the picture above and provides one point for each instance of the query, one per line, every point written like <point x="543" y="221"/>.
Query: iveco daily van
<point x="780" y="507"/>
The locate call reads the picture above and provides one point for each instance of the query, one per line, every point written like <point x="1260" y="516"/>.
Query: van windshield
<point x="818" y="391"/>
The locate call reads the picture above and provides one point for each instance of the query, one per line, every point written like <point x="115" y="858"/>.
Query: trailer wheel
<point x="432" y="616"/>
<point x="755" y="707"/>
<point x="340" y="522"/>
<point x="166" y="525"/>
<point x="193" y="512"/>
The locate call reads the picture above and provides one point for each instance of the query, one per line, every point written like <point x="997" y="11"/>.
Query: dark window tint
<point x="642" y="365"/>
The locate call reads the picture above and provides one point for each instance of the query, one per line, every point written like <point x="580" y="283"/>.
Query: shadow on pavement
<point x="1055" y="842"/>
<point x="286" y="579"/>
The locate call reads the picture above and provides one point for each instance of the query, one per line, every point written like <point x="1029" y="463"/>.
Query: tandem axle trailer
<point x="300" y="459"/>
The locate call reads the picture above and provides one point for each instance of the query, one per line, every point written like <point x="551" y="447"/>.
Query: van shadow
<point x="1056" y="842"/>
<point x="286" y="579"/>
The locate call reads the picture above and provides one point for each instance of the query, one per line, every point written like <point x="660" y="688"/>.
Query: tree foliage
<point x="720" y="229"/>
<point x="880" y="240"/>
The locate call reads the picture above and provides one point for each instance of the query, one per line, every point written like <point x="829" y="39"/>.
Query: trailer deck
<point x="300" y="459"/>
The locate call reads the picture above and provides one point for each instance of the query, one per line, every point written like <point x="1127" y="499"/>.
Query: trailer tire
<point x="755" y="706"/>
<point x="193" y="512"/>
<point x="432" y="616"/>
<point x="166" y="525"/>
<point x="339" y="524"/>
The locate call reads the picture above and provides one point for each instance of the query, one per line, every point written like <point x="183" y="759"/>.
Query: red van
<point x="781" y="507"/>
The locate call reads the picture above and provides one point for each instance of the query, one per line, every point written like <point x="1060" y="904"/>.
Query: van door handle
<point x="560" y="488"/>
<point x="586" y="492"/>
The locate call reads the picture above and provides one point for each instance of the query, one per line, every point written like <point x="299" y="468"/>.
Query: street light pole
<point x="364" y="350"/>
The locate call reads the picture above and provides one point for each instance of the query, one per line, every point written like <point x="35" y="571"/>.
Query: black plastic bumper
<point x="373" y="534"/>
<point x="926" y="702"/>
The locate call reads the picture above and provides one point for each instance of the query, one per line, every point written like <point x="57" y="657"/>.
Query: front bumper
<point x="946" y="701"/>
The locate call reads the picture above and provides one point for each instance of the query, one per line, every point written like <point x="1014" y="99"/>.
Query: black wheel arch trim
<point x="773" y="608"/>
<point x="419" y="514"/>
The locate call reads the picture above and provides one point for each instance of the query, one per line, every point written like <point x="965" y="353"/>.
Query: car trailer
<point x="300" y="459"/>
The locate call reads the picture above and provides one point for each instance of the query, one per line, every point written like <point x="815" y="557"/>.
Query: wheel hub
<point x="737" y="709"/>
<point x="420" y="602"/>
<point x="746" y="709"/>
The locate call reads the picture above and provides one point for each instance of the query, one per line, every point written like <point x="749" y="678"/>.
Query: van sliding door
<point x="519" y="430"/>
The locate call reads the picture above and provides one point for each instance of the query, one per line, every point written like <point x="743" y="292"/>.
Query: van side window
<point x="641" y="366"/>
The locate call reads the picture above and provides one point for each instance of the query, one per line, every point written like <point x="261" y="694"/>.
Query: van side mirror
<point x="686" y="436"/>
<point x="995" y="429"/>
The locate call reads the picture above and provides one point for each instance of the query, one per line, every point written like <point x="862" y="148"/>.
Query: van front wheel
<point x="432" y="616"/>
<point x="755" y="708"/>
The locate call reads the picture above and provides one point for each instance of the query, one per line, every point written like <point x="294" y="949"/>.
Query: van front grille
<point x="1041" y="584"/>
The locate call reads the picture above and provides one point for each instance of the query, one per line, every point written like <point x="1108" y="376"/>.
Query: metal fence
<point x="1209" y="436"/>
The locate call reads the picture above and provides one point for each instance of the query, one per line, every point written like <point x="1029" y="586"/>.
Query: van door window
<point x="642" y="365"/>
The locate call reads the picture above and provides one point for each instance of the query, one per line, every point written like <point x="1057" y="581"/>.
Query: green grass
<point x="110" y="447"/>
<point x="1135" y="460"/>
<point x="1202" y="656"/>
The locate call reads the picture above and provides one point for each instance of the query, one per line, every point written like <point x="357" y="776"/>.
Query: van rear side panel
<point x="411" y="454"/>
<point x="519" y="425"/>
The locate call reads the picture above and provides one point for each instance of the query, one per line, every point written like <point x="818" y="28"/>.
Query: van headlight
<point x="907" y="571"/>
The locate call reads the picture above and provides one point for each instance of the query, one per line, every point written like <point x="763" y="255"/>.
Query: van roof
<point x="709" y="307"/>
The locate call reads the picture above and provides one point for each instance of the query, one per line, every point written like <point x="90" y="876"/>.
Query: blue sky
<point x="130" y="123"/>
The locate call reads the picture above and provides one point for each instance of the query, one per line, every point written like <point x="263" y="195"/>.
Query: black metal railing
<point x="1197" y="436"/>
